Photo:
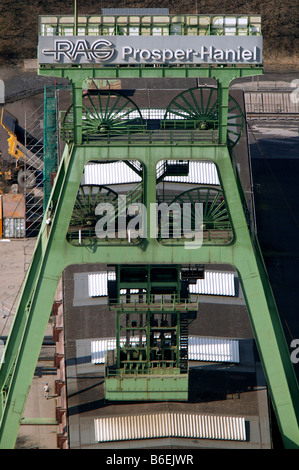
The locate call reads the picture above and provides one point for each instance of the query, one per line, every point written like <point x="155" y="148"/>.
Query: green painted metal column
<point x="31" y="319"/>
<point x="222" y="96"/>
<point x="53" y="253"/>
<point x="77" y="110"/>
<point x="149" y="189"/>
<point x="50" y="140"/>
<point x="117" y="339"/>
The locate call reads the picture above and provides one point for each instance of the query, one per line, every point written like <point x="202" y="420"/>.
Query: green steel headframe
<point x="54" y="252"/>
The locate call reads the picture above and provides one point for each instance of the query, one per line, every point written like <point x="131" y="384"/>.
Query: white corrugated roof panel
<point x="120" y="173"/>
<point x="213" y="349"/>
<point x="215" y="283"/>
<point x="97" y="285"/>
<point x="109" y="173"/>
<point x="199" y="173"/>
<point x="100" y="347"/>
<point x="276" y="102"/>
<point x="199" y="349"/>
<point x="162" y="425"/>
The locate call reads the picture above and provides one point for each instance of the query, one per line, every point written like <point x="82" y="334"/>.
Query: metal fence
<point x="274" y="102"/>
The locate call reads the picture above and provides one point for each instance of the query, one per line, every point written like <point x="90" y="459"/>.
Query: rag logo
<point x="100" y="50"/>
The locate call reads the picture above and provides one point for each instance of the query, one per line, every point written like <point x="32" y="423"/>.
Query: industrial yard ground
<point x="11" y="280"/>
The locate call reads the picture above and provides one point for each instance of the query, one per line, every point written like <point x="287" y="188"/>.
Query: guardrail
<point x="154" y="303"/>
<point x="180" y="132"/>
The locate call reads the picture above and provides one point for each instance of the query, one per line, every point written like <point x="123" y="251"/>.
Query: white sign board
<point x="140" y="50"/>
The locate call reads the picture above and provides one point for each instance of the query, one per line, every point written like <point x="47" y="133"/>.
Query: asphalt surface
<point x="275" y="168"/>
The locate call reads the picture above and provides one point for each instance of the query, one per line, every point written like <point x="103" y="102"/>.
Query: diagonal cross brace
<point x="53" y="253"/>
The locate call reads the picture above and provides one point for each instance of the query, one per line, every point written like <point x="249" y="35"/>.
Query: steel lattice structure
<point x="96" y="130"/>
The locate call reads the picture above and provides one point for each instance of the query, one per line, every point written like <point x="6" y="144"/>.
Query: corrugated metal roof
<point x="199" y="173"/>
<point x="199" y="349"/>
<point x="213" y="349"/>
<point x="120" y="173"/>
<point x="109" y="173"/>
<point x="185" y="425"/>
<point x="214" y="283"/>
<point x="274" y="102"/>
<point x="97" y="285"/>
<point x="100" y="347"/>
<point x="135" y="11"/>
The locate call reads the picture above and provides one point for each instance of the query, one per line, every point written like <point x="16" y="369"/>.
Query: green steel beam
<point x="222" y="74"/>
<point x="223" y="95"/>
<point x="50" y="140"/>
<point x="53" y="253"/>
<point x="147" y="388"/>
<point x="77" y="73"/>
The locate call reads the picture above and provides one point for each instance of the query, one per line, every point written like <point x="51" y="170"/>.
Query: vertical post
<point x="117" y="340"/>
<point x="149" y="191"/>
<point x="148" y="287"/>
<point x="222" y="96"/>
<point x="178" y="286"/>
<point x="77" y="109"/>
<point x="148" y="340"/>
<point x="178" y="336"/>
<point x="1" y="219"/>
<point x="50" y="140"/>
<point x="75" y="18"/>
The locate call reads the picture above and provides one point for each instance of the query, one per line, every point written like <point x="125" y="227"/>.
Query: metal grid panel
<point x="153" y="21"/>
<point x="161" y="425"/>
